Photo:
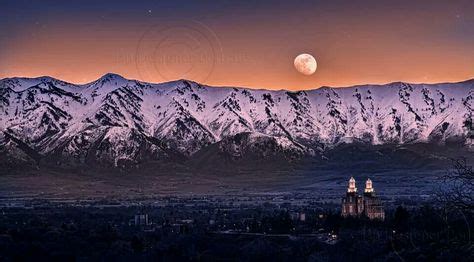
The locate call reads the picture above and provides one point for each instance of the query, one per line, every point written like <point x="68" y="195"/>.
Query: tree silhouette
<point x="401" y="219"/>
<point x="457" y="190"/>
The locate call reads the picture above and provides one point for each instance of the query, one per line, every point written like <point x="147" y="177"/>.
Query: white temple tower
<point x="352" y="186"/>
<point x="368" y="186"/>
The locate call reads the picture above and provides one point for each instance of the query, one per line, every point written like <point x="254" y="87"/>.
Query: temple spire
<point x="352" y="186"/>
<point x="368" y="186"/>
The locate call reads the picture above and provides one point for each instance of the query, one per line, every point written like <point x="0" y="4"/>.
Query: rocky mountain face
<point x="118" y="122"/>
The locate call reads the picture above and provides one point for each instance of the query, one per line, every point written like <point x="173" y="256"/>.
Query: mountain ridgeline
<point x="115" y="122"/>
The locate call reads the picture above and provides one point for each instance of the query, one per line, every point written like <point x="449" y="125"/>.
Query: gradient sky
<point x="239" y="43"/>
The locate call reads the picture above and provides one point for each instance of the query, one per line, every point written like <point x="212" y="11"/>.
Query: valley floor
<point x="327" y="185"/>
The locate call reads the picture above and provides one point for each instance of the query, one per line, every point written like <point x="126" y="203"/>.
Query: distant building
<point x="298" y="216"/>
<point x="302" y="217"/>
<point x="140" y="220"/>
<point x="368" y="204"/>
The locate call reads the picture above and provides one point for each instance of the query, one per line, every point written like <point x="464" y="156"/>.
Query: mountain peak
<point x="39" y="78"/>
<point x="112" y="76"/>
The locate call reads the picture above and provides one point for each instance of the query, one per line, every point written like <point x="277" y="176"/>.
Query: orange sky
<point x="252" y="49"/>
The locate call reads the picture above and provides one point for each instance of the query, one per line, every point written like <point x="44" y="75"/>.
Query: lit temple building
<point x="352" y="204"/>
<point x="368" y="204"/>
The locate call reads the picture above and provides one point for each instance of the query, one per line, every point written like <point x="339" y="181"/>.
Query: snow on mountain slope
<point x="114" y="120"/>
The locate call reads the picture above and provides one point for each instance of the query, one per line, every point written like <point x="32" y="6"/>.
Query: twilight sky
<point x="239" y="43"/>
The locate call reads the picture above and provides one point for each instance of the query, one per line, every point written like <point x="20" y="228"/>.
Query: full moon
<point x="305" y="64"/>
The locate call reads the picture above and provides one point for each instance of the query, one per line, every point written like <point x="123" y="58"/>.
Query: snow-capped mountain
<point x="116" y="121"/>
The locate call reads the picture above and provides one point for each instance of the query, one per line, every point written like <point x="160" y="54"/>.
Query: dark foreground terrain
<point x="229" y="229"/>
<point x="239" y="213"/>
